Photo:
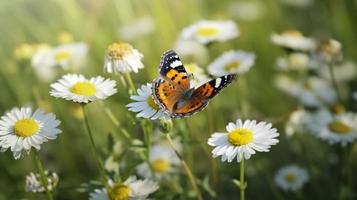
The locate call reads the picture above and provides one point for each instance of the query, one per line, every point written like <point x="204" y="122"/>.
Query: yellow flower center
<point x="290" y="178"/>
<point x="26" y="127"/>
<point x="292" y="33"/>
<point x="119" y="192"/>
<point x="150" y="101"/>
<point x="240" y="136"/>
<point x="160" y="165"/>
<point x="119" y="50"/>
<point x="339" y="127"/>
<point x="62" y="56"/>
<point x="207" y="31"/>
<point x="83" y="88"/>
<point x="231" y="66"/>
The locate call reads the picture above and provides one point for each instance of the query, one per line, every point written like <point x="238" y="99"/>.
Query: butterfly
<point x="172" y="91"/>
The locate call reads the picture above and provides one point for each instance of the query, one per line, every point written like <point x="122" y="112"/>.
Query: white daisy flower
<point x="291" y="178"/>
<point x="65" y="56"/>
<point x="145" y="105"/>
<point x="232" y="62"/>
<point x="77" y="88"/>
<point x="243" y="140"/>
<point x="245" y="10"/>
<point x="334" y="128"/>
<point x="312" y="92"/>
<point x="163" y="161"/>
<point x="294" y="40"/>
<point x="297" y="122"/>
<point x="298" y="3"/>
<point x="131" y="189"/>
<point x="294" y="61"/>
<point x="191" y="51"/>
<point x="206" y="31"/>
<point x="137" y="28"/>
<point x="121" y="57"/>
<point x="329" y="50"/>
<point x="344" y="72"/>
<point x="21" y="129"/>
<point x="34" y="184"/>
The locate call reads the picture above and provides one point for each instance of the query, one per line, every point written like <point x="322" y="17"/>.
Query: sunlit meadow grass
<point x="296" y="69"/>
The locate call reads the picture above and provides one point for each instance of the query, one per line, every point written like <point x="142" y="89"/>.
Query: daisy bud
<point x="165" y="125"/>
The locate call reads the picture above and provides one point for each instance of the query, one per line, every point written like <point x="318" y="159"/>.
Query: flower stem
<point x="94" y="151"/>
<point x="242" y="184"/>
<point x="42" y="175"/>
<point x="130" y="82"/>
<point x="187" y="169"/>
<point x="334" y="82"/>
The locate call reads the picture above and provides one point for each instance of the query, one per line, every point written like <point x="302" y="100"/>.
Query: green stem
<point x="42" y="175"/>
<point x="94" y="151"/>
<point x="242" y="184"/>
<point x="334" y="82"/>
<point x="115" y="121"/>
<point x="130" y="82"/>
<point x="147" y="138"/>
<point x="187" y="169"/>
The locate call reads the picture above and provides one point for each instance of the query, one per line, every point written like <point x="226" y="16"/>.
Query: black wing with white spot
<point x="170" y="60"/>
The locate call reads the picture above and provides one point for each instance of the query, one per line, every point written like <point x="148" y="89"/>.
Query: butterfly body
<point x="172" y="91"/>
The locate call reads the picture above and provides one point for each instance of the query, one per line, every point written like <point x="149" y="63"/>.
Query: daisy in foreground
<point x="77" y="88"/>
<point x="121" y="57"/>
<point x="243" y="139"/>
<point x="291" y="178"/>
<point x="206" y="31"/>
<point x="21" y="129"/>
<point x="132" y="188"/>
<point x="334" y="128"/>
<point x="145" y="105"/>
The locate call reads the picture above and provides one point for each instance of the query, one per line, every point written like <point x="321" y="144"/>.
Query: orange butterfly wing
<point x="165" y="94"/>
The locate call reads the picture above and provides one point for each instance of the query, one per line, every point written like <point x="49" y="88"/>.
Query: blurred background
<point x="153" y="27"/>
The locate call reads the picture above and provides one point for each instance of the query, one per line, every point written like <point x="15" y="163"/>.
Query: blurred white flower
<point x="243" y="140"/>
<point x="131" y="189"/>
<point x="329" y="50"/>
<point x="162" y="159"/>
<point x="34" y="184"/>
<point x="67" y="56"/>
<point x="334" y="128"/>
<point x="232" y="62"/>
<point x="21" y="129"/>
<point x="191" y="50"/>
<point x="298" y="3"/>
<point x="291" y="178"/>
<point x="206" y="31"/>
<point x="121" y="57"/>
<point x="145" y="105"/>
<point x="343" y="72"/>
<point x="297" y="122"/>
<point x="136" y="29"/>
<point x="293" y="40"/>
<point x="75" y="87"/>
<point x="294" y="61"/>
<point x="246" y="10"/>
<point x="312" y="92"/>
<point x="198" y="76"/>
